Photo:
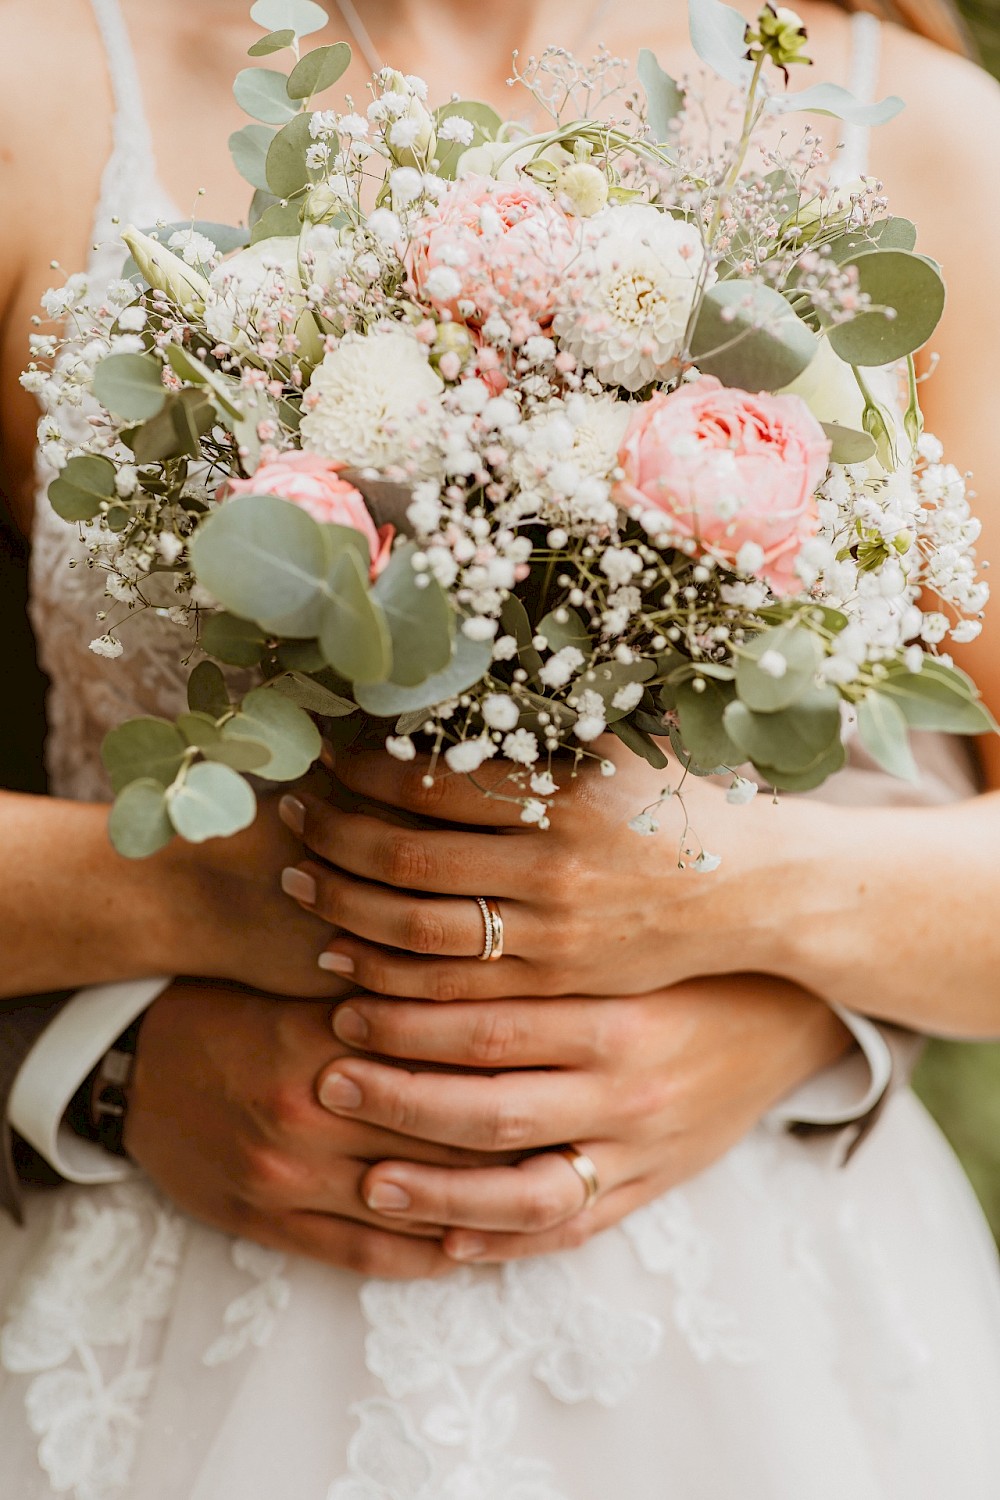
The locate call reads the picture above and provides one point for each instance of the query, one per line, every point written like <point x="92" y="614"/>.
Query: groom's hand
<point x="225" y="1119"/>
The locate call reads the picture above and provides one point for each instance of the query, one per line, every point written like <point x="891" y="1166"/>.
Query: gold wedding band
<point x="492" y="930"/>
<point x="584" y="1168"/>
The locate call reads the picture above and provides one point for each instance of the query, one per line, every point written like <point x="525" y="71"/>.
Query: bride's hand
<point x="589" y="905"/>
<point x="653" y="1089"/>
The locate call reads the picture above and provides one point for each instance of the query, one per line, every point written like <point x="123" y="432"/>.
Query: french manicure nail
<point x="298" y="884"/>
<point x="337" y="1092"/>
<point x="388" y="1197"/>
<point x="292" y="813"/>
<point x="351" y="1027"/>
<point x="336" y="963"/>
<point x="466" y="1247"/>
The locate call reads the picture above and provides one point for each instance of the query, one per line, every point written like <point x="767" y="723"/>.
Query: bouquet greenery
<point x="497" y="442"/>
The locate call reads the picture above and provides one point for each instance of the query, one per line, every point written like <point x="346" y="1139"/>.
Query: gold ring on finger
<point x="492" y="929"/>
<point x="584" y="1168"/>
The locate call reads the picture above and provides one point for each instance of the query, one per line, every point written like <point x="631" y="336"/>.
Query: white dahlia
<point x="374" y="401"/>
<point x="630" y="294"/>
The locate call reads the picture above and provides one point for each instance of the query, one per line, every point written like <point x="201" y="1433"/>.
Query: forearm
<point x="72" y="911"/>
<point x="892" y="912"/>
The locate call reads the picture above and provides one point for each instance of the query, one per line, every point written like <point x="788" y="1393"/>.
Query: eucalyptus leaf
<point x="568" y="631"/>
<point x="608" y="679"/>
<point x="908" y="284"/>
<point x="261" y="557"/>
<point x="420" y="619"/>
<point x="262" y="93"/>
<point x="718" y="35"/>
<point x="248" y="148"/>
<point x="188" y="367"/>
<point x="791" y="740"/>
<point x="239" y="643"/>
<point x="807" y="781"/>
<point x="279" y="221"/>
<point x="82" y="487"/>
<point x="275" y="41"/>
<point x="801" y="654"/>
<point x="206" y="690"/>
<point x="847" y="445"/>
<point x="139" y="825"/>
<point x="175" y="431"/>
<point x="470" y="661"/>
<point x="939" y="698"/>
<point x="238" y="753"/>
<point x="514" y="622"/>
<point x="319" y="70"/>
<point x="199" y="729"/>
<point x="354" y="633"/>
<point x="833" y="99"/>
<point x="640" y="744"/>
<point x="702" y="726"/>
<point x="485" y="124"/>
<point x="883" y="732"/>
<point x="885" y="234"/>
<point x="312" y="695"/>
<point x="148" y="748"/>
<point x="273" y="720"/>
<point x="303" y="17"/>
<point x="213" y="801"/>
<point x="664" y="98"/>
<point x="130" y="385"/>
<point x="301" y="656"/>
<point x="749" y="336"/>
<point x="286" y="172"/>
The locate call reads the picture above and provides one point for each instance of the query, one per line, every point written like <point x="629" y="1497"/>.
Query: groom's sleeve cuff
<point x="69" y="1048"/>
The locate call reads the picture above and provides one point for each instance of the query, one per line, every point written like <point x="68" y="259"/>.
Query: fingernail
<point x="292" y="813"/>
<point x="337" y="1092"/>
<point x="350" y="1025"/>
<point x="336" y="963"/>
<point x="388" y="1197"/>
<point x="298" y="884"/>
<point x="466" y="1247"/>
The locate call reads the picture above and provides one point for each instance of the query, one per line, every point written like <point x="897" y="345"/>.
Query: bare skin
<point x="190" y="51"/>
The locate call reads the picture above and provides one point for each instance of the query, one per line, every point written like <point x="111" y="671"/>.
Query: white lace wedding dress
<point x="778" y="1329"/>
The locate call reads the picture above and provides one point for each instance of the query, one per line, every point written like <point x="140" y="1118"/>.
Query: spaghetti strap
<point x="866" y="52"/>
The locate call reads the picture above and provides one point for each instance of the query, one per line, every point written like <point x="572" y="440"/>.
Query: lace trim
<point x="250" y="1318"/>
<point x="458" y="1345"/>
<point x="85" y="1323"/>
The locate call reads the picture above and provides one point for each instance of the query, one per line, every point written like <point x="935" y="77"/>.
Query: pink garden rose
<point x="314" y="484"/>
<point x="728" y="468"/>
<point x="491" y="246"/>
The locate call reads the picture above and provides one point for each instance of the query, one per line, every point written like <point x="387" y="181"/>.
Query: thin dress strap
<point x="866" y="52"/>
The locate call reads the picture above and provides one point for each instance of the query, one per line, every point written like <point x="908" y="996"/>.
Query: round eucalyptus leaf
<point x="485" y="124"/>
<point x="271" y="719"/>
<point x="791" y="740"/>
<point x="354" y="633"/>
<point x="239" y="643"/>
<point x="206" y="690"/>
<point x="263" y="94"/>
<point x="664" y="98"/>
<point x="150" y="749"/>
<point x="199" y="729"/>
<point x="312" y="695"/>
<point x="81" y="488"/>
<point x="319" y="70"/>
<point x="608" y="680"/>
<point x="564" y="627"/>
<point x="470" y="661"/>
<point x="303" y="17"/>
<point x="280" y="221"/>
<point x="213" y="801"/>
<point x="285" y="168"/>
<point x="908" y="284"/>
<point x="938" y="698"/>
<point x="702" y="723"/>
<point x="883" y="732"/>
<point x="130" y="385"/>
<point x="138" y="824"/>
<point x="750" y="337"/>
<point x="420" y="620"/>
<point x="261" y="557"/>
<point x="807" y="781"/>
<point x="248" y="148"/>
<point x="301" y="656"/>
<point x="237" y="753"/>
<point x="275" y="41"/>
<point x="766" y="693"/>
<point x="886" y="234"/>
<point x="847" y="445"/>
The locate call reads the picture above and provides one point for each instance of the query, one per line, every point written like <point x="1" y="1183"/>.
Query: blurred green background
<point x="960" y="1084"/>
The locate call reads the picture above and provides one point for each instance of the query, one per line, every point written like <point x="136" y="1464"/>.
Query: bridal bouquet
<point x="496" y="442"/>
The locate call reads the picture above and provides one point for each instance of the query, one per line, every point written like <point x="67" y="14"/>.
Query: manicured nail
<point x="466" y="1247"/>
<point x="298" y="884"/>
<point x="292" y="813"/>
<point x="388" y="1197"/>
<point x="336" y="963"/>
<point x="351" y="1026"/>
<point x="337" y="1092"/>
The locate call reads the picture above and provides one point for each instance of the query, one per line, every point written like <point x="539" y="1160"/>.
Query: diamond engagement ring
<point x="492" y="930"/>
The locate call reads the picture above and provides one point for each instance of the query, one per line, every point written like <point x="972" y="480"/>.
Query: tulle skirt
<point x="778" y="1329"/>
